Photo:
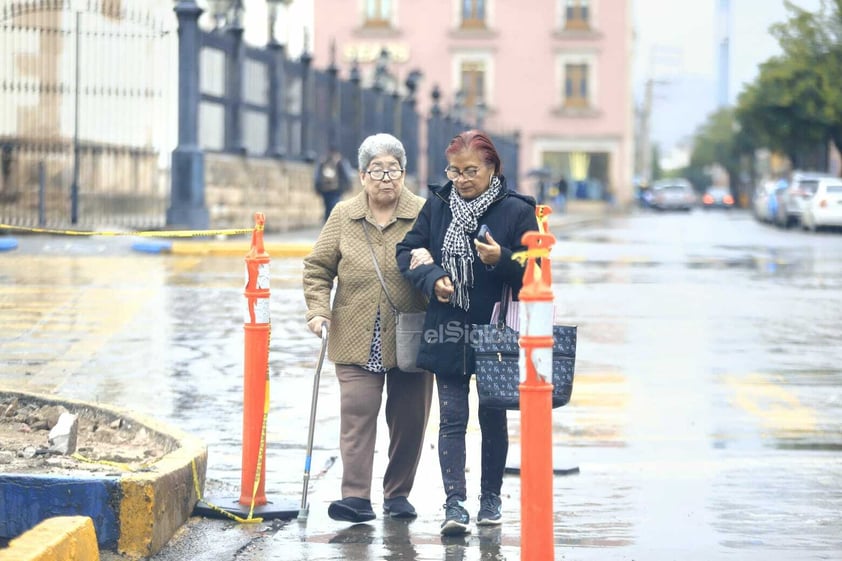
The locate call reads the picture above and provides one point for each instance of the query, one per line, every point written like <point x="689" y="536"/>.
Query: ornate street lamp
<point x="382" y="78"/>
<point x="458" y="105"/>
<point x="482" y="111"/>
<point x="226" y="13"/>
<point x="237" y="14"/>
<point x="273" y="7"/>
<point x="219" y="9"/>
<point x="411" y="82"/>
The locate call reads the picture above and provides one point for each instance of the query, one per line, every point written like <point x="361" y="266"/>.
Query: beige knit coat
<point x="341" y="253"/>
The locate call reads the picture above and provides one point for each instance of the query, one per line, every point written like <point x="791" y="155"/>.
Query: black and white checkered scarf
<point x="457" y="253"/>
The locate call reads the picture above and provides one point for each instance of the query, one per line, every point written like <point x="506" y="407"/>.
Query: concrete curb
<point x="63" y="538"/>
<point x="135" y="514"/>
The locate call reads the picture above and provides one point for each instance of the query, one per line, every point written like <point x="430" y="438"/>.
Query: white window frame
<point x="456" y="7"/>
<point x="589" y="59"/>
<point x="483" y="57"/>
<point x="593" y="9"/>
<point x="393" y="14"/>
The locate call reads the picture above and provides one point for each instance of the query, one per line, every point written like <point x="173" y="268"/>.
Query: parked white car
<point x="825" y="207"/>
<point x="760" y="203"/>
<point x="791" y="202"/>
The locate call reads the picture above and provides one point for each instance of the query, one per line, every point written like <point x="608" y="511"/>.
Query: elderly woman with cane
<point x="359" y="238"/>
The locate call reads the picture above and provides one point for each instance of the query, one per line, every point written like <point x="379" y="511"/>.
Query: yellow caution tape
<point x="215" y="508"/>
<point x="537" y="253"/>
<point x="141" y="234"/>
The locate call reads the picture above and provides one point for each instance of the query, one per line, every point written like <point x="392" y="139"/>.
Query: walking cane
<point x="305" y="508"/>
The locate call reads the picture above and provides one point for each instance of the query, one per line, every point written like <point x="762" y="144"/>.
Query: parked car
<point x="825" y="208"/>
<point x="792" y="200"/>
<point x="672" y="194"/>
<point x="763" y="194"/>
<point x="717" y="197"/>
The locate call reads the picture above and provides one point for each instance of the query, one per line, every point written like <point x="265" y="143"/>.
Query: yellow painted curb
<point x="155" y="505"/>
<point x="276" y="249"/>
<point x="63" y="538"/>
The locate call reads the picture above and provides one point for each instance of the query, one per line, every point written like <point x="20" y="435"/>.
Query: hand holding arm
<point x="443" y="289"/>
<point x="420" y="256"/>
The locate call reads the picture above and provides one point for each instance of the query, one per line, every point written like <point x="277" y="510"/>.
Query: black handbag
<point x="497" y="353"/>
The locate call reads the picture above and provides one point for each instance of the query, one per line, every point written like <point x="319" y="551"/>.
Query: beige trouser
<point x="408" y="397"/>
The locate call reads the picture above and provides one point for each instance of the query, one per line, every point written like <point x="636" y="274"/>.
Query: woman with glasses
<point x="463" y="272"/>
<point x="361" y="321"/>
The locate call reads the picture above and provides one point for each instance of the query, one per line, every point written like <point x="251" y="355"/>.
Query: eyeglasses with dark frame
<point x="467" y="173"/>
<point x="380" y="174"/>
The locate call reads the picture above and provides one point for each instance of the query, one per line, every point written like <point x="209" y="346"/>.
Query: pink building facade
<point x="556" y="71"/>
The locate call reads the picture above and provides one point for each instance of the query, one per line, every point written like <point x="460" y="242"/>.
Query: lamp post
<point x="381" y="70"/>
<point x="276" y="146"/>
<point x="236" y="11"/>
<point x="219" y="9"/>
<point x="458" y="105"/>
<point x="74" y="185"/>
<point x="482" y="111"/>
<point x="273" y="8"/>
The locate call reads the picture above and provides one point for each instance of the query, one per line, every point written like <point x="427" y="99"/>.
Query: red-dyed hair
<point x="476" y="141"/>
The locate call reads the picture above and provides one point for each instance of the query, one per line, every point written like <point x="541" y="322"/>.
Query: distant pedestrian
<point x="361" y="323"/>
<point x="561" y="196"/>
<point x="332" y="178"/>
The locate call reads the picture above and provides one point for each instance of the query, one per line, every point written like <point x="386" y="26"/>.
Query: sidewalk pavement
<point x="318" y="538"/>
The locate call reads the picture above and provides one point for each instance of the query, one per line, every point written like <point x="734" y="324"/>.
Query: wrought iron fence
<point x="106" y="112"/>
<point x="86" y="112"/>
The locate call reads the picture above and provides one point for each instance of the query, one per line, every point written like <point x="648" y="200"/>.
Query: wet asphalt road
<point x="706" y="418"/>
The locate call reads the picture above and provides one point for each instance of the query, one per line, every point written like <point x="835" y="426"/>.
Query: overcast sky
<point x="676" y="44"/>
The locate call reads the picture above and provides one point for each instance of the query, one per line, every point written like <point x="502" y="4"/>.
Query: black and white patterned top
<point x="375" y="356"/>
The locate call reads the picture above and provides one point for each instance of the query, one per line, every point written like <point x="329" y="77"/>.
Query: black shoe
<point x="456" y="519"/>
<point x="489" y="510"/>
<point x="351" y="509"/>
<point x="399" y="507"/>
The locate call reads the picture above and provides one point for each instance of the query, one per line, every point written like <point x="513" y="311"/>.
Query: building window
<point x="473" y="14"/>
<point x="473" y="82"/>
<point x="378" y="13"/>
<point x="577" y="14"/>
<point x="576" y="85"/>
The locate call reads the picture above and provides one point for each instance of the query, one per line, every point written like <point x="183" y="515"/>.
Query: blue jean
<point x="453" y="424"/>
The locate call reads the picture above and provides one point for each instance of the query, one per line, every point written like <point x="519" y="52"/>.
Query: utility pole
<point x="645" y="133"/>
<point x="724" y="42"/>
<point x="668" y="59"/>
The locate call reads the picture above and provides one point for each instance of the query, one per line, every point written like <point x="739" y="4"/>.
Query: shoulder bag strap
<point x="377" y="267"/>
<point x="505" y="298"/>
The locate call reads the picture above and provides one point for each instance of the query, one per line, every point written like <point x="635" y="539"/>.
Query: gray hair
<point x="379" y="145"/>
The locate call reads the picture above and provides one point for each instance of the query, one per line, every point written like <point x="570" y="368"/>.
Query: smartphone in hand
<point x="482" y="234"/>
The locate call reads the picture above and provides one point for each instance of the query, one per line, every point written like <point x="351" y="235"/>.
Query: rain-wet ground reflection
<point x="704" y="422"/>
<point x="795" y="512"/>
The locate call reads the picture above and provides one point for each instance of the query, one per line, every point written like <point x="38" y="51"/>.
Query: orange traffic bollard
<point x="257" y="327"/>
<point x="256" y="368"/>
<point x="536" y="388"/>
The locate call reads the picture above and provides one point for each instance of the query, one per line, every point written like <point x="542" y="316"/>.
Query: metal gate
<point x="88" y="116"/>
